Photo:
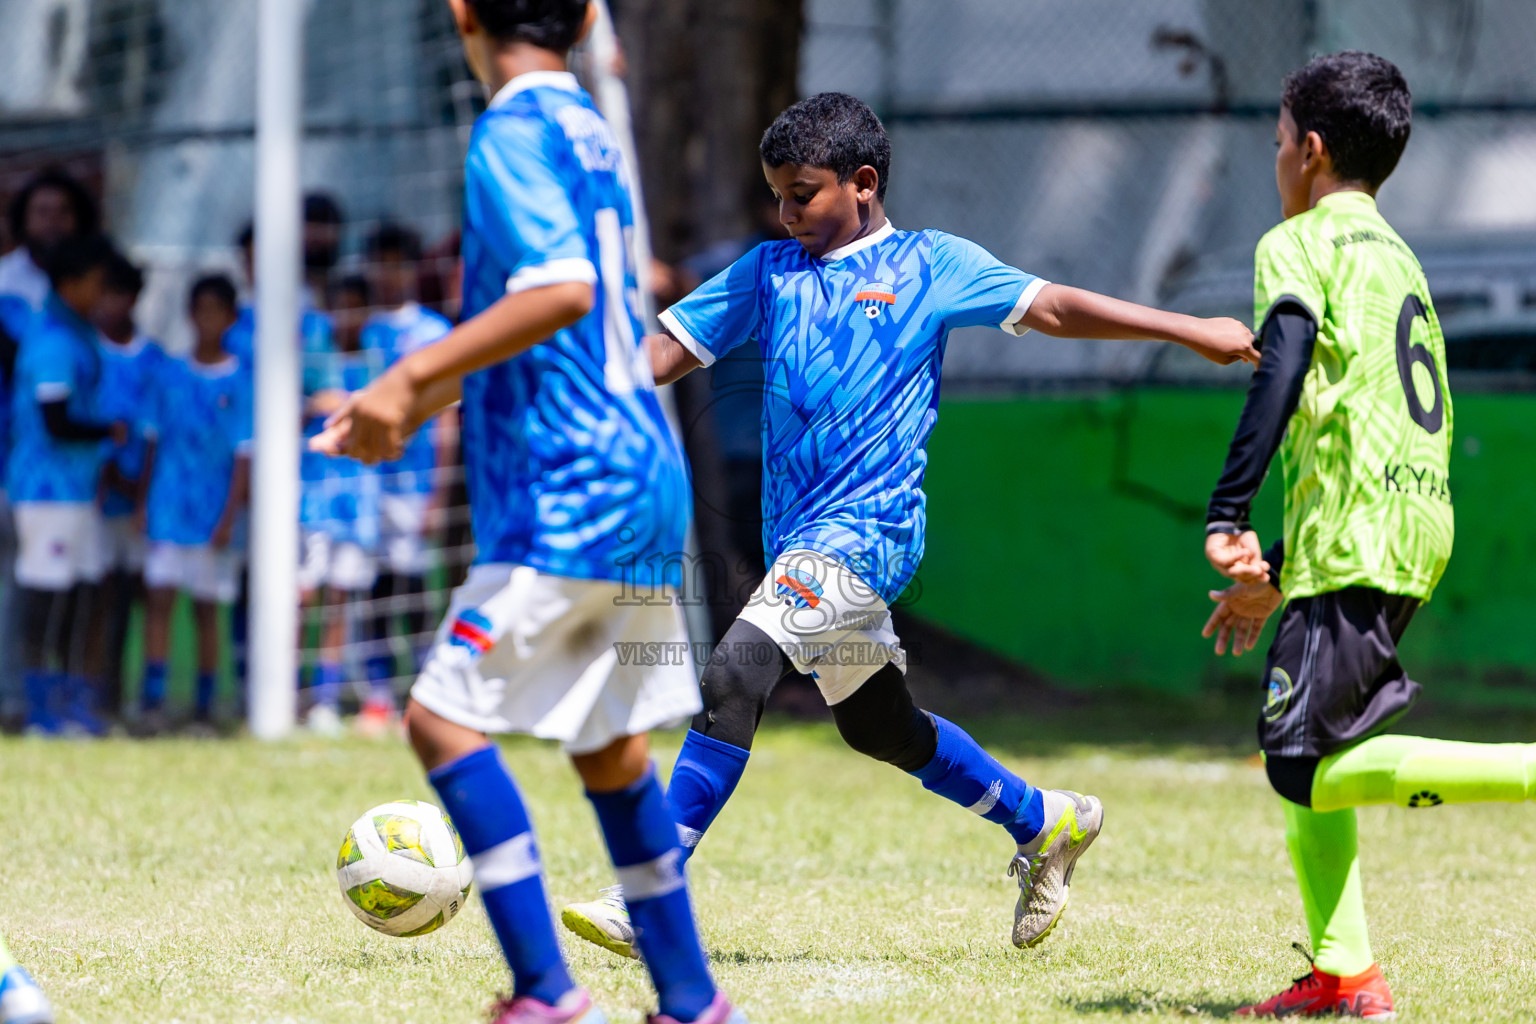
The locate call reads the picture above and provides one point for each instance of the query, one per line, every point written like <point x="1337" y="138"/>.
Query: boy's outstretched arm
<point x="1066" y="312"/>
<point x="669" y="359"/>
<point x="1288" y="335"/>
<point x="374" y="423"/>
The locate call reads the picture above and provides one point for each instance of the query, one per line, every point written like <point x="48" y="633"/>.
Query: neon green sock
<point x="6" y="960"/>
<point x="1325" y="853"/>
<point x="1414" y="772"/>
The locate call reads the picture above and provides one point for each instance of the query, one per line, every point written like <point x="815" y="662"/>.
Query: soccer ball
<point x="403" y="870"/>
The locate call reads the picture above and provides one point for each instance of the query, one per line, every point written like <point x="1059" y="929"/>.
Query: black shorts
<point x="1333" y="678"/>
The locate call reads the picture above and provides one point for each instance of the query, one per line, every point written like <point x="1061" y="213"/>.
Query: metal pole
<point x="275" y="478"/>
<point x="612" y="99"/>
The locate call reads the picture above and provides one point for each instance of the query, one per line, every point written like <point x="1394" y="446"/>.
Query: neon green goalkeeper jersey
<point x="1367" y="453"/>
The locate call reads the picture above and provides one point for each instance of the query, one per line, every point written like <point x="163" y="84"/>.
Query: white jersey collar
<point x="129" y="348"/>
<point x="875" y="237"/>
<point x="532" y="80"/>
<point x="402" y="316"/>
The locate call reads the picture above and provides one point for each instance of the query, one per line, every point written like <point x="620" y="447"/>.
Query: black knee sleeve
<point x="881" y="721"/>
<point x="1291" y="777"/>
<point x="742" y="672"/>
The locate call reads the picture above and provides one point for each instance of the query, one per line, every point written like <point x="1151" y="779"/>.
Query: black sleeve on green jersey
<point x="1286" y="340"/>
<point x="1275" y="556"/>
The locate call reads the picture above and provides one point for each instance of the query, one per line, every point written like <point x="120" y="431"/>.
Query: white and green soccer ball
<point x="403" y="870"/>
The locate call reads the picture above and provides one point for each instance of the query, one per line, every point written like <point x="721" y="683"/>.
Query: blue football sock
<point x="483" y="802"/>
<point x="703" y="779"/>
<point x="961" y="771"/>
<point x="205" y="687"/>
<point x="153" y="697"/>
<point x="642" y="839"/>
<point x="381" y="677"/>
<point x="325" y="686"/>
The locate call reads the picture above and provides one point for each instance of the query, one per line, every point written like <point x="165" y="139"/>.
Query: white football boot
<point x="604" y="921"/>
<point x="1044" y="864"/>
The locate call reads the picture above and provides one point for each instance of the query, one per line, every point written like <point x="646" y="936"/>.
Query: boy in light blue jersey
<point x="58" y="447"/>
<point x="129" y="363"/>
<point x="851" y="317"/>
<point x="198" y="422"/>
<point x="576" y="483"/>
<point x="339" y="508"/>
<point x="413" y="485"/>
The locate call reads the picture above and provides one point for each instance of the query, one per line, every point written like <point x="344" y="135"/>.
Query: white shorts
<point x="328" y="562"/>
<point x="123" y="546"/>
<point x="558" y="658"/>
<point x="205" y="572"/>
<point x="827" y="620"/>
<point x="58" y="544"/>
<point x="402" y="525"/>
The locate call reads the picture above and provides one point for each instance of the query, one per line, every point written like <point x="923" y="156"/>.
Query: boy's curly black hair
<point x="831" y="130"/>
<point x="1360" y="104"/>
<point x="547" y="24"/>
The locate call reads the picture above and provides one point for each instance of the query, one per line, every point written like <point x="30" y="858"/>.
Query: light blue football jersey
<point x="200" y="415"/>
<point x="572" y="466"/>
<point x="59" y="359"/>
<point x="338" y="496"/>
<point x="127" y="372"/>
<point x="852" y="345"/>
<point x="16" y="320"/>
<point x="393" y="334"/>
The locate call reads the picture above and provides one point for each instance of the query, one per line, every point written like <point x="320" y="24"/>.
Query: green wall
<point x="1066" y="533"/>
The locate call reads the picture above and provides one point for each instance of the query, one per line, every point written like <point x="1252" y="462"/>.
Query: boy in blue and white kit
<point x="339" y="507"/>
<point x="58" y="447"/>
<point x="575" y="479"/>
<point x="411" y="484"/>
<point x="129" y="362"/>
<point x="851" y="316"/>
<point x="196" y="481"/>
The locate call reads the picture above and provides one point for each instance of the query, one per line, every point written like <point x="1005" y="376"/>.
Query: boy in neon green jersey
<point x="1351" y="392"/>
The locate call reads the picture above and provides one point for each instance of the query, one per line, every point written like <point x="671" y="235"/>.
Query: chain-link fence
<point x="1127" y="147"/>
<point x="151" y="104"/>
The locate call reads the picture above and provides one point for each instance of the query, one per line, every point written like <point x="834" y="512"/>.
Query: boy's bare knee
<point x="436" y="740"/>
<point x="617" y="766"/>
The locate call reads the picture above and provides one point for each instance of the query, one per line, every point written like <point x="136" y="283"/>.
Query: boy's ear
<point x="464" y="17"/>
<point x="1315" y="155"/>
<point x="867" y="181"/>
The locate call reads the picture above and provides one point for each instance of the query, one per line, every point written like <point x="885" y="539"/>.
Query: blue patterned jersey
<point x="338" y="496"/>
<point x="852" y="344"/>
<point x="396" y="333"/>
<point x="127" y="372"/>
<point x="59" y="359"/>
<point x="16" y="320"/>
<point x="200" y="416"/>
<point x="573" y="468"/>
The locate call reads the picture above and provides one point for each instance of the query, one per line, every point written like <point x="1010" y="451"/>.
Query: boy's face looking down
<point x="393" y="276"/>
<point x="211" y="317"/>
<point x="820" y="212"/>
<point x="114" y="313"/>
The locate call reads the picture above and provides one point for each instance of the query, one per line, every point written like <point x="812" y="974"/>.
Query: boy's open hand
<point x="1225" y="340"/>
<point x="1241" y="611"/>
<point x="1237" y="556"/>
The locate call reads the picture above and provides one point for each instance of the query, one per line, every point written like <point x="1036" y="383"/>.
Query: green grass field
<point x="192" y="881"/>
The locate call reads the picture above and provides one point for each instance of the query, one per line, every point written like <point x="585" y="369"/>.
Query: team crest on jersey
<point x="1278" y="696"/>
<point x="472" y="631"/>
<point x="799" y="587"/>
<point x="876" y="297"/>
